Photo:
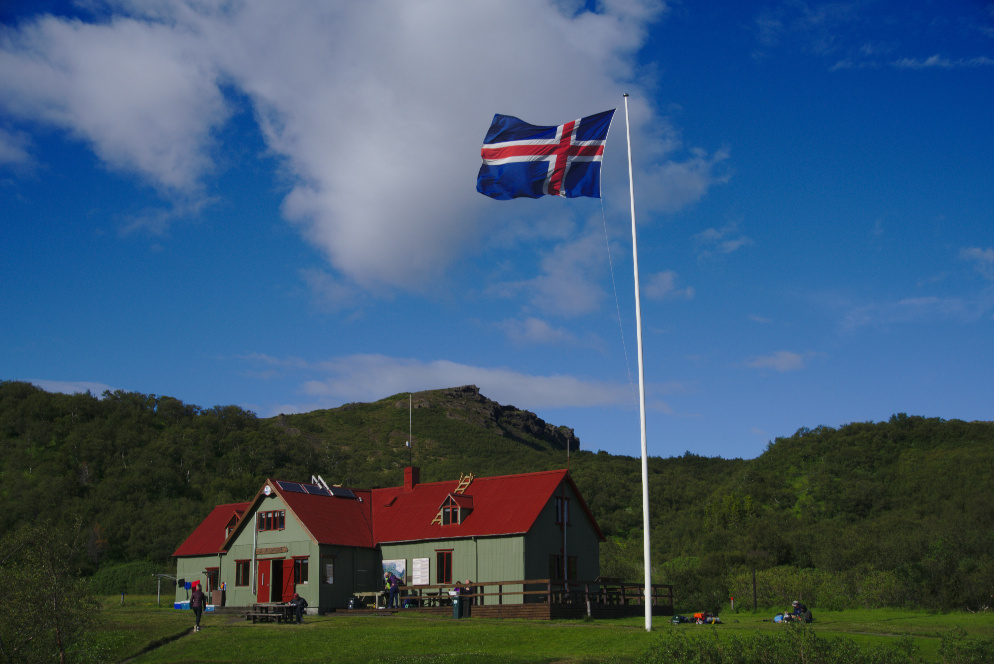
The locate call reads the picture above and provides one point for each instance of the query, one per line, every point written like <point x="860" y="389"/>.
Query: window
<point x="242" y="571"/>
<point x="450" y="514"/>
<point x="328" y="570"/>
<point x="271" y="520"/>
<point x="443" y="566"/>
<point x="300" y="570"/>
<point x="562" y="510"/>
<point x="556" y="567"/>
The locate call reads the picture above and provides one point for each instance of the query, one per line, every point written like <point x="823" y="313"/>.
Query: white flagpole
<point x="647" y="599"/>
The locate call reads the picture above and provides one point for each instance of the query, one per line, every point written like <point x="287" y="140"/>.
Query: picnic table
<point x="375" y="596"/>
<point x="270" y="612"/>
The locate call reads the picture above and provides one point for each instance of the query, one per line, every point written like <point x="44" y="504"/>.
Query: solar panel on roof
<point x="315" y="490"/>
<point x="342" y="492"/>
<point x="291" y="486"/>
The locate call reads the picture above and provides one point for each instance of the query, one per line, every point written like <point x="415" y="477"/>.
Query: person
<point x="394" y="582"/>
<point x="299" y="604"/>
<point x="466" y="592"/>
<point x="801" y="612"/>
<point x="198" y="600"/>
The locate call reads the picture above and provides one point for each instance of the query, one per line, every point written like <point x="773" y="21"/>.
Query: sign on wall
<point x="419" y="572"/>
<point x="396" y="567"/>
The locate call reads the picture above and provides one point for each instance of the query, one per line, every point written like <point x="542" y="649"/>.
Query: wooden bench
<point x="270" y="612"/>
<point x="256" y="616"/>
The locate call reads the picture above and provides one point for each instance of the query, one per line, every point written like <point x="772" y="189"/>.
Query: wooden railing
<point x="550" y="591"/>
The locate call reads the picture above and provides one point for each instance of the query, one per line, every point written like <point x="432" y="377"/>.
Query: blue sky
<point x="273" y="205"/>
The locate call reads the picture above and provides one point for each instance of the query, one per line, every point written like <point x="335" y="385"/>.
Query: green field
<point x="149" y="634"/>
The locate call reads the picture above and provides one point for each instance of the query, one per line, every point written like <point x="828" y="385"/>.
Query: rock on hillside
<point x="467" y="404"/>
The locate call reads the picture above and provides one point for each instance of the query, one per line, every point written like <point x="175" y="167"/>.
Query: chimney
<point x="412" y="475"/>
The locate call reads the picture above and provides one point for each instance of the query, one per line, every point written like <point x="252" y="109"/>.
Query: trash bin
<point x="456" y="607"/>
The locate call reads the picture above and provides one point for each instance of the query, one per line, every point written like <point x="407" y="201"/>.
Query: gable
<point x="338" y="516"/>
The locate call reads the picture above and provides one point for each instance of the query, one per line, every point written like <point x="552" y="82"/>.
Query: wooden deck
<point x="535" y="599"/>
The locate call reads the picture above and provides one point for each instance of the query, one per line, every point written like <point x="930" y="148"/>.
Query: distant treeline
<point x="897" y="513"/>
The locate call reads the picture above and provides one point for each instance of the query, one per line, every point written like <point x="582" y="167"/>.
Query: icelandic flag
<point x="527" y="161"/>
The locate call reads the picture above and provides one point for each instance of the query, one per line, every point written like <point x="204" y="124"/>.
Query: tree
<point x="46" y="605"/>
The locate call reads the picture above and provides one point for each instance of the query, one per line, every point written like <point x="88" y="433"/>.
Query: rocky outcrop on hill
<point x="467" y="404"/>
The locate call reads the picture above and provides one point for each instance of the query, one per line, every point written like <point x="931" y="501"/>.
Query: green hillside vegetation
<point x="897" y="513"/>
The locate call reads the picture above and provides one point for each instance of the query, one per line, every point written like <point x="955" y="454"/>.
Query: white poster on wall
<point x="419" y="572"/>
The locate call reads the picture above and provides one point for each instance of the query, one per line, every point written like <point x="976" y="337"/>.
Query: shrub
<point x="130" y="578"/>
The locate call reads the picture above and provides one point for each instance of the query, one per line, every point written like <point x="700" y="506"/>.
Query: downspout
<point x="255" y="571"/>
<point x="564" y="517"/>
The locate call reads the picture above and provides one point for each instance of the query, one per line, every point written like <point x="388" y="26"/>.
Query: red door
<point x="263" y="580"/>
<point x="288" y="584"/>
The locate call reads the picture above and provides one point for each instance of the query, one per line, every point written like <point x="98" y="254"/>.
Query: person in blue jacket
<point x="299" y="604"/>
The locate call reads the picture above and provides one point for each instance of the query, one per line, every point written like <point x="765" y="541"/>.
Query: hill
<point x="365" y="444"/>
<point x="869" y="514"/>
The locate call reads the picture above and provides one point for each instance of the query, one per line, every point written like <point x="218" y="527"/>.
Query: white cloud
<point x="13" y="148"/>
<point x="669" y="185"/>
<point x="568" y="282"/>
<point x="919" y="309"/>
<point x="330" y="293"/>
<point x="720" y="241"/>
<point x="663" y="286"/>
<point x="942" y="62"/>
<point x="533" y="330"/>
<point x="982" y="259"/>
<point x="372" y="377"/>
<point x="140" y="94"/>
<point x="376" y="110"/>
<point x="781" y="361"/>
<point x="860" y="35"/>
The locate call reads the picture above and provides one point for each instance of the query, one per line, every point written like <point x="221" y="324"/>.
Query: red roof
<point x="210" y="534"/>
<point x="334" y="520"/>
<point x="504" y="505"/>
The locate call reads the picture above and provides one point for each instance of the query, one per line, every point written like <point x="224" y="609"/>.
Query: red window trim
<point x="438" y="575"/>
<point x="261" y="519"/>
<point x="248" y="573"/>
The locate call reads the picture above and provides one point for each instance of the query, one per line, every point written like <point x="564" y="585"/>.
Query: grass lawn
<point x="123" y="632"/>
<point x="875" y="627"/>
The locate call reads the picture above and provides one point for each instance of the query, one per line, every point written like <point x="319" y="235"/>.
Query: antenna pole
<point x="647" y="597"/>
